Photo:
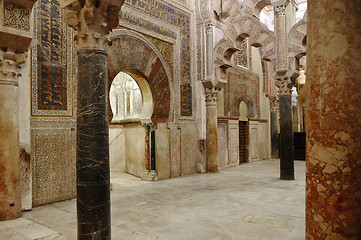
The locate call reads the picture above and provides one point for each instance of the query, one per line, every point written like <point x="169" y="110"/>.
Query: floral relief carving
<point x="16" y="16"/>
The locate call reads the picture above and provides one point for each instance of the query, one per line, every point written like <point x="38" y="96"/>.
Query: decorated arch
<point x="133" y="54"/>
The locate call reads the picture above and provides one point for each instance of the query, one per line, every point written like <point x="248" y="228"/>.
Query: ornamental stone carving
<point x="9" y="64"/>
<point x="211" y="96"/>
<point x="16" y="16"/>
<point x="280" y="10"/>
<point x="93" y="20"/>
<point x="274" y="103"/>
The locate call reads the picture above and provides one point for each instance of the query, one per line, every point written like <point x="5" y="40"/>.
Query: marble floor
<point x="244" y="202"/>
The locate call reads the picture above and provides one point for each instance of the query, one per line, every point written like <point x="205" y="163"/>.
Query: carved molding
<point x="16" y="17"/>
<point x="211" y="96"/>
<point x="93" y="20"/>
<point x="9" y="64"/>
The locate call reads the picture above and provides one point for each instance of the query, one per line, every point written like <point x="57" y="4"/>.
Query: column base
<point x="150" y="175"/>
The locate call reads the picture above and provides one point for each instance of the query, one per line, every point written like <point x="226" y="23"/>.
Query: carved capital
<point x="93" y="20"/>
<point x="209" y="29"/>
<point x="211" y="96"/>
<point x="9" y="66"/>
<point x="285" y="85"/>
<point x="280" y="10"/>
<point x="274" y="103"/>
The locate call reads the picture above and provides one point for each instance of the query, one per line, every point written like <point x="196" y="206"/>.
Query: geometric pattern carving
<point x="16" y="16"/>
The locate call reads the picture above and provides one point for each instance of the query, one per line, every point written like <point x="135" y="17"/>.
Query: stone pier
<point x="10" y="200"/>
<point x="333" y="125"/>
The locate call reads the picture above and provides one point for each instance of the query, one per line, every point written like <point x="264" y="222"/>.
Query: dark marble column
<point x="333" y="122"/>
<point x="274" y="127"/>
<point x="93" y="21"/>
<point x="93" y="192"/>
<point x="286" y="138"/>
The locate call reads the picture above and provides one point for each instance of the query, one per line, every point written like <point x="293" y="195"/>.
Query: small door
<point x="242" y="142"/>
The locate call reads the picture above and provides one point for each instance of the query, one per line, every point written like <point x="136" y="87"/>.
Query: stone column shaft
<point x="274" y="128"/>
<point x="93" y="21"/>
<point x="333" y="121"/>
<point x="10" y="200"/>
<point x="280" y="32"/>
<point x="93" y="192"/>
<point x="146" y="149"/>
<point x="286" y="138"/>
<point x="211" y="130"/>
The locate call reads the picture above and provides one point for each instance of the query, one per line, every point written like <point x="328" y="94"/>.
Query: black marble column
<point x="274" y="135"/>
<point x="286" y="138"/>
<point x="93" y="192"/>
<point x="152" y="151"/>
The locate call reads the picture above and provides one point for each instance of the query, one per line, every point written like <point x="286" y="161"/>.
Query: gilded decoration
<point x="181" y="19"/>
<point x="51" y="61"/>
<point x="16" y="16"/>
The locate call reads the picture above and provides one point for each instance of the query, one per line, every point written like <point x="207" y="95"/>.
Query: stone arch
<point x="258" y="6"/>
<point x="297" y="45"/>
<point x="133" y="54"/>
<point x="245" y="26"/>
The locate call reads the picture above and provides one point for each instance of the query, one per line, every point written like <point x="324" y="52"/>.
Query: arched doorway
<point x="139" y="99"/>
<point x="243" y="133"/>
<point x="131" y="104"/>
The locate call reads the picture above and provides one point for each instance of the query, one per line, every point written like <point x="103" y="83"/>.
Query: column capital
<point x="10" y="61"/>
<point x="285" y="80"/>
<point x="274" y="103"/>
<point x="93" y="20"/>
<point x="280" y="7"/>
<point x="211" y="96"/>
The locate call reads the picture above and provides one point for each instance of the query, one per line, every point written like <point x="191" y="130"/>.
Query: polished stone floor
<point x="243" y="202"/>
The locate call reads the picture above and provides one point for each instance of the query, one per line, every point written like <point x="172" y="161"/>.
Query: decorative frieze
<point x="16" y="16"/>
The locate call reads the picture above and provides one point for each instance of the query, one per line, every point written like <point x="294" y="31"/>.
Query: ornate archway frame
<point x="155" y="71"/>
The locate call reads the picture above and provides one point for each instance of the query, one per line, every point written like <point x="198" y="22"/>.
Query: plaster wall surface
<point x="116" y="148"/>
<point x="134" y="153"/>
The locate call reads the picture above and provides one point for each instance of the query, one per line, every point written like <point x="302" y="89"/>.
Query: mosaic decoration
<point x="241" y="86"/>
<point x="124" y="16"/>
<point x="181" y="19"/>
<point x="16" y="16"/>
<point x="51" y="61"/>
<point x="131" y="55"/>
